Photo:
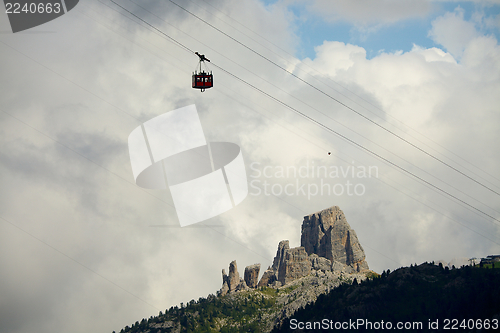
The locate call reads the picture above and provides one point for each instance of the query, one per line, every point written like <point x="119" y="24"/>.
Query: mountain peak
<point x="327" y="234"/>
<point x="328" y="245"/>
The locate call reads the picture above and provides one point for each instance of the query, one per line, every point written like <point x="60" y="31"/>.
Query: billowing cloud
<point x="369" y="13"/>
<point x="453" y="32"/>
<point x="82" y="248"/>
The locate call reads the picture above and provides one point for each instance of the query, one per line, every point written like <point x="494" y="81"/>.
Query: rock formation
<point x="233" y="282"/>
<point x="328" y="245"/>
<point x="230" y="282"/>
<point x="319" y="263"/>
<point x="327" y="234"/>
<point x="290" y="264"/>
<point x="268" y="278"/>
<point x="280" y="254"/>
<point x="225" y="289"/>
<point x="241" y="286"/>
<point x="252" y="275"/>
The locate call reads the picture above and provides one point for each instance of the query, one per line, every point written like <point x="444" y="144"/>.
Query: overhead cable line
<point x="444" y="215"/>
<point x="130" y="115"/>
<point x="120" y="177"/>
<point x="306" y="139"/>
<point x="326" y="115"/>
<point x="94" y="162"/>
<point x="161" y="199"/>
<point x="345" y="88"/>
<point x="165" y="202"/>
<point x="317" y="122"/>
<point x="356" y="144"/>
<point x="144" y="191"/>
<point x="79" y="263"/>
<point x="336" y="100"/>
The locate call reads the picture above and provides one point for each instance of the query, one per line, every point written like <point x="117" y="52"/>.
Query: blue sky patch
<point x="313" y="30"/>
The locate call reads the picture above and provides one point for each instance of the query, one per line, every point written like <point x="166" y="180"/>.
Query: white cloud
<point x="433" y="54"/>
<point x="99" y="217"/>
<point x="368" y="13"/>
<point x="449" y="102"/>
<point x="453" y="32"/>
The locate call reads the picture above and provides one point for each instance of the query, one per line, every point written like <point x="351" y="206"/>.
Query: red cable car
<point x="202" y="80"/>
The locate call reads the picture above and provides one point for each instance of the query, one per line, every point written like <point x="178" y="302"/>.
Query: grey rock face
<point x="319" y="263"/>
<point x="233" y="279"/>
<point x="276" y="284"/>
<point x="232" y="282"/>
<point x="267" y="279"/>
<point x="280" y="254"/>
<point x="225" y="289"/>
<point x="337" y="266"/>
<point x="234" y="276"/>
<point x="329" y="247"/>
<point x="295" y="265"/>
<point x="327" y="234"/>
<point x="252" y="275"/>
<point x="349" y="270"/>
<point x="290" y="264"/>
<point x="241" y="286"/>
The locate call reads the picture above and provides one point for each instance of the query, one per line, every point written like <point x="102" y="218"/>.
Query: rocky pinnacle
<point x="327" y="234"/>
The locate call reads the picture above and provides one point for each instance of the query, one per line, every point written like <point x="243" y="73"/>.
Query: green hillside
<point x="415" y="294"/>
<point x="466" y="299"/>
<point x="252" y="310"/>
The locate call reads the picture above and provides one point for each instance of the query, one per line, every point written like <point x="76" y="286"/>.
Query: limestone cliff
<point x="328" y="245"/>
<point x="232" y="281"/>
<point x="290" y="264"/>
<point x="252" y="275"/>
<point x="327" y="234"/>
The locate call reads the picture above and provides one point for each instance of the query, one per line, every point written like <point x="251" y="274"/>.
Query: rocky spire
<point x="327" y="234"/>
<point x="268" y="278"/>
<point x="294" y="264"/>
<point x="280" y="255"/>
<point x="252" y="275"/>
<point x="230" y="282"/>
<point x="328" y="245"/>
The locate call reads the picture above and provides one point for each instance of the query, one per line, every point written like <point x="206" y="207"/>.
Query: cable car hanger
<point x="202" y="80"/>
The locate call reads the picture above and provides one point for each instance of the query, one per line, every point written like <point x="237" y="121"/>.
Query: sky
<point x="404" y="95"/>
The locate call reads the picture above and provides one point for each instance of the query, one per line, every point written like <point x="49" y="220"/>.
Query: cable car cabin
<point x="203" y="80"/>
